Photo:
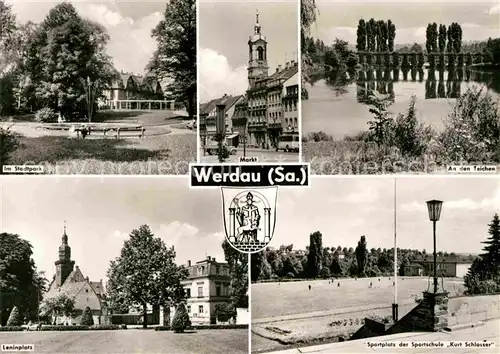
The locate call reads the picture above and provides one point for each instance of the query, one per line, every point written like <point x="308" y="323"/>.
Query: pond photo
<point x="398" y="88"/>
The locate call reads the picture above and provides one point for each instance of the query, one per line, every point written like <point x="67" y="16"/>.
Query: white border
<point x="198" y="137"/>
<point x="299" y="60"/>
<point x="251" y="165"/>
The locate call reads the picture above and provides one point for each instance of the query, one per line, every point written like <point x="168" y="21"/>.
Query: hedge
<point x="198" y="327"/>
<point x="82" y="328"/>
<point x="11" y="329"/>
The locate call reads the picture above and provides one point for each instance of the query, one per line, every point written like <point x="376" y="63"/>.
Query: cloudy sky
<point x="224" y="28"/>
<point x="129" y="24"/>
<point x="343" y="209"/>
<point x="101" y="212"/>
<point x="339" y="19"/>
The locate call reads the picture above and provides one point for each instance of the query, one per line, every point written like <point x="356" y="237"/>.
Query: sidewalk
<point x="487" y="332"/>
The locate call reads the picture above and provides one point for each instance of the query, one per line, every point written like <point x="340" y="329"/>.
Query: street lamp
<point x="434" y="207"/>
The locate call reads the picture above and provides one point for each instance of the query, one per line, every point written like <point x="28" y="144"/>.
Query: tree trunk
<point x="191" y="105"/>
<point x="145" y="316"/>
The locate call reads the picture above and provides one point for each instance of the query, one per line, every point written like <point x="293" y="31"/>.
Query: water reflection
<point x="438" y="84"/>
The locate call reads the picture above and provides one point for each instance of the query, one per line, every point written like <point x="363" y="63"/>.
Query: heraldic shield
<point x="249" y="217"/>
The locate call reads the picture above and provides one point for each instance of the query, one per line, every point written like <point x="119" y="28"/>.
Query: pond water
<point x="337" y="105"/>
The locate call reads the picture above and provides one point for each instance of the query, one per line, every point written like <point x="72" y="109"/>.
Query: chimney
<point x="213" y="259"/>
<point x="208" y="258"/>
<point x="87" y="278"/>
<point x="293" y="63"/>
<point x="77" y="267"/>
<point x="287" y="65"/>
<point x="279" y="67"/>
<point x="189" y="263"/>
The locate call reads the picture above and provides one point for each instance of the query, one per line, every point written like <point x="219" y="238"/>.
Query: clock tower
<point x="257" y="55"/>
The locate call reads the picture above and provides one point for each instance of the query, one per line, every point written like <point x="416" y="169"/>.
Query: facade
<point x="70" y="280"/>
<point x="129" y="87"/>
<point x="208" y="114"/>
<point x="207" y="285"/>
<point x="272" y="100"/>
<point x="450" y="266"/>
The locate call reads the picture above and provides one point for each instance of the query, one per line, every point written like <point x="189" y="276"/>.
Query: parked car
<point x="191" y="124"/>
<point x="212" y="148"/>
<point x="32" y="326"/>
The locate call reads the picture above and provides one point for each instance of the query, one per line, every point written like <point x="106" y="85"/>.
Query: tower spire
<point x="257" y="25"/>
<point x="65" y="227"/>
<point x="257" y="16"/>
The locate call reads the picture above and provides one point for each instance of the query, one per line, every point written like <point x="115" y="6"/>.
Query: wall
<point x="462" y="270"/>
<point x="242" y="316"/>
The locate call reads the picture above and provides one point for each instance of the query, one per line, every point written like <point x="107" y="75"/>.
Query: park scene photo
<point x="405" y="87"/>
<point x="116" y="265"/>
<point x="330" y="280"/>
<point x="98" y="87"/>
<point x="249" y="81"/>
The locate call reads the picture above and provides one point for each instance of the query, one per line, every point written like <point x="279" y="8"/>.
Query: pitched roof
<point x="442" y="259"/>
<point x="285" y="74"/>
<point x="228" y="101"/>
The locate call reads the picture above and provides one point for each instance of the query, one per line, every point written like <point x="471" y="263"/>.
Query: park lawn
<point x="133" y="341"/>
<point x="271" y="300"/>
<point x="162" y="154"/>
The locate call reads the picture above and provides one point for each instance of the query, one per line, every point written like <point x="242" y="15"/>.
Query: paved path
<point x="490" y="331"/>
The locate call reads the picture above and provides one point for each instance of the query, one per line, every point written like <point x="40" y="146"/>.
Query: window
<point x="188" y="293"/>
<point x="200" y="291"/>
<point x="217" y="270"/>
<point x="189" y="308"/>
<point x="86" y="290"/>
<point x="217" y="289"/>
<point x="200" y="309"/>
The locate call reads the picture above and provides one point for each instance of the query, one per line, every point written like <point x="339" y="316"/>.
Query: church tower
<point x="64" y="265"/>
<point x="257" y="55"/>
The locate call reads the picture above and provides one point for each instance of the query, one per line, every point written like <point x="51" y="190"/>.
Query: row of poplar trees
<point x="441" y="39"/>
<point x="375" y="36"/>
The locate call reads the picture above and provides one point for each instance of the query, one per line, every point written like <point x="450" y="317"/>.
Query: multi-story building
<point x="207" y="285"/>
<point x="268" y="96"/>
<point x="450" y="266"/>
<point x="208" y="115"/>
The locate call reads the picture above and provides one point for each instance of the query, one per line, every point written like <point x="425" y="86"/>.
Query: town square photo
<point x="400" y="86"/>
<point x="248" y="81"/>
<point x="330" y="281"/>
<point x="90" y="264"/>
<point x="98" y="87"/>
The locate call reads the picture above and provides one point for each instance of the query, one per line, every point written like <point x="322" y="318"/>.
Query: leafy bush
<point x="9" y="142"/>
<point x="317" y="137"/>
<point x="410" y="136"/>
<point x="105" y="327"/>
<point x="14" y="318"/>
<point x="163" y="328"/>
<point x="181" y="319"/>
<point x="11" y="329"/>
<point x="123" y="326"/>
<point x="45" y="115"/>
<point x="472" y="130"/>
<point x="87" y="319"/>
<point x="64" y="328"/>
<point x="224" y="311"/>
<point x="382" y="125"/>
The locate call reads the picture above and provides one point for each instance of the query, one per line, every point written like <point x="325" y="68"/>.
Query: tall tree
<point x="491" y="255"/>
<point x="428" y="38"/>
<point x="434" y="37"/>
<point x="458" y="41"/>
<point x="238" y="269"/>
<point x="372" y="38"/>
<point x="451" y="39"/>
<point x="57" y="306"/>
<point x="20" y="284"/>
<point x="315" y="254"/>
<point x="175" y="57"/>
<point x="361" y="256"/>
<point x="145" y="273"/>
<point x="361" y="36"/>
<point x="391" y="35"/>
<point x="442" y="38"/>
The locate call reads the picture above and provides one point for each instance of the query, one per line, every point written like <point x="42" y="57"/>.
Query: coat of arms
<point x="249" y="217"/>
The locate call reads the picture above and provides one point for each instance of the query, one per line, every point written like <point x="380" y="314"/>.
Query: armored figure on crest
<point x="248" y="218"/>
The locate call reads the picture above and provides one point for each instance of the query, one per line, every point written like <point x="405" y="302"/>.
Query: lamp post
<point x="434" y="207"/>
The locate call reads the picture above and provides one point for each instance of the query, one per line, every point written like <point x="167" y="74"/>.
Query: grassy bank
<point x="402" y="144"/>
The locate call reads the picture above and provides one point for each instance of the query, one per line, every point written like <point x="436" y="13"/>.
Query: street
<point x="261" y="154"/>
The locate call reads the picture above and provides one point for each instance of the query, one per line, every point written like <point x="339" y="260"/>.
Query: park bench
<point x="84" y="131"/>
